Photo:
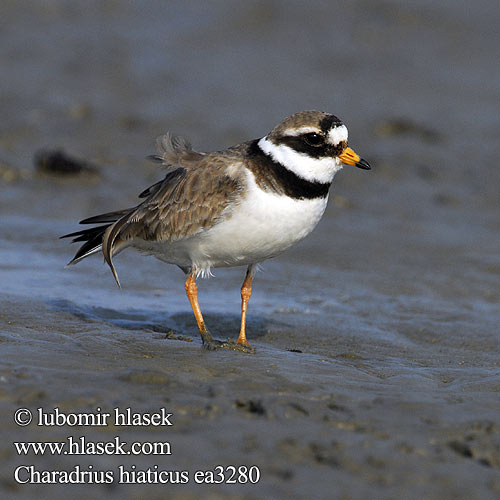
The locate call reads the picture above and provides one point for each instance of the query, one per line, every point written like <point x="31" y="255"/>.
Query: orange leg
<point x="246" y="293"/>
<point x="192" y="295"/>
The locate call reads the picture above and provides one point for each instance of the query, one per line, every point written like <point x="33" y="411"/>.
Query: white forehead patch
<point x="302" y="130"/>
<point x="337" y="135"/>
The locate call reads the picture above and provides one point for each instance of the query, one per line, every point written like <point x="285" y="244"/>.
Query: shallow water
<point x="377" y="370"/>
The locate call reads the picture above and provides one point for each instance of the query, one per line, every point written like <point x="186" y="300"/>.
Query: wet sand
<point x="377" y="370"/>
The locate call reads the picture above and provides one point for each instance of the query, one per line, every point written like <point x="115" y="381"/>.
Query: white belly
<point x="263" y="225"/>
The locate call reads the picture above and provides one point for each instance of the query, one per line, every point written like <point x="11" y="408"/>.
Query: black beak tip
<point x="363" y="164"/>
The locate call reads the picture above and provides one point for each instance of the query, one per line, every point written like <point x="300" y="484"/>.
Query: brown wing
<point x="188" y="200"/>
<point x="191" y="198"/>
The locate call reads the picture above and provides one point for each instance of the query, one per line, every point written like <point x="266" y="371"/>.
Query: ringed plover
<point x="235" y="207"/>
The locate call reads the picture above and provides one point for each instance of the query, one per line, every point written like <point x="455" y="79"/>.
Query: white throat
<point x="312" y="169"/>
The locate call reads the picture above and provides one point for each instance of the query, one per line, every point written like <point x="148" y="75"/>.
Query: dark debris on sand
<point x="58" y="162"/>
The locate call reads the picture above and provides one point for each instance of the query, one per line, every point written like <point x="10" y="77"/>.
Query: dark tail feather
<point x="93" y="237"/>
<point x="108" y="217"/>
<point x="93" y="241"/>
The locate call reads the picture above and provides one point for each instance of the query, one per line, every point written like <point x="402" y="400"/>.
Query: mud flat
<point x="377" y="370"/>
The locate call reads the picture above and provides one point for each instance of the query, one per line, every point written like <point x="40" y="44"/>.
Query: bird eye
<point x="313" y="139"/>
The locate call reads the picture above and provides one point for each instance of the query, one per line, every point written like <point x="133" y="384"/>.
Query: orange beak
<point x="349" y="157"/>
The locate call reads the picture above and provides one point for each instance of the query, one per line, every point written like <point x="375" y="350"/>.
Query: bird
<point x="235" y="207"/>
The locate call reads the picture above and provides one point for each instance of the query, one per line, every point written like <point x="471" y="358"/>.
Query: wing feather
<point x="194" y="195"/>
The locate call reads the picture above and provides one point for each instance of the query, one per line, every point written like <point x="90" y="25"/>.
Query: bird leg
<point x="246" y="293"/>
<point x="192" y="295"/>
<point x="209" y="342"/>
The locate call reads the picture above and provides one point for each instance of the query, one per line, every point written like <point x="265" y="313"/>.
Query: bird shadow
<point x="165" y="325"/>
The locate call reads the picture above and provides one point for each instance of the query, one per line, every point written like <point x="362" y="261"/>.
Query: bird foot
<point x="229" y="344"/>
<point x="212" y="344"/>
